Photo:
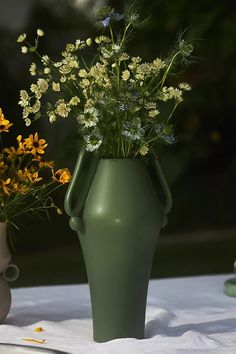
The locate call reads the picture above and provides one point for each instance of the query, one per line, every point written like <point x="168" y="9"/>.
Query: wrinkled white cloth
<point x="188" y="315"/>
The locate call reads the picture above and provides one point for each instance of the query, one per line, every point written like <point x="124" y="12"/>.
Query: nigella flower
<point x="133" y="130"/>
<point x="93" y="141"/>
<point x="165" y="132"/>
<point x="113" y="16"/>
<point x="123" y="107"/>
<point x="106" y="21"/>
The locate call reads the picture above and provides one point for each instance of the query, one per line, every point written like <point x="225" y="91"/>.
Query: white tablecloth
<point x="184" y="315"/>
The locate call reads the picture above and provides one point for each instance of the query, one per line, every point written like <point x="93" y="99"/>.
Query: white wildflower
<point x="83" y="73"/>
<point x="45" y="59"/>
<point x="56" y="86"/>
<point x="40" y="32"/>
<point x="52" y="117"/>
<point x="158" y="64"/>
<point x="93" y="141"/>
<point x="153" y="113"/>
<point x="85" y="83"/>
<point x="36" y="107"/>
<point x="169" y="93"/>
<point x="42" y="85"/>
<point x="125" y="75"/>
<point x="63" y="78"/>
<point x="24" y="98"/>
<point x="89" y="42"/>
<point x="74" y="101"/>
<point x="47" y="70"/>
<point x="27" y="122"/>
<point x="89" y="118"/>
<point x="24" y="50"/>
<point x="102" y="39"/>
<point x="32" y="69"/>
<point x="150" y="105"/>
<point x="26" y="112"/>
<point x="62" y="109"/>
<point x="21" y="38"/>
<point x="143" y="150"/>
<point x="184" y="86"/>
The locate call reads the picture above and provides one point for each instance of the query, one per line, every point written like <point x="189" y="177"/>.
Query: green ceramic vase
<point x="115" y="208"/>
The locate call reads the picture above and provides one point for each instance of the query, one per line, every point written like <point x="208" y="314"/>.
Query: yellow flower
<point x="11" y="152"/>
<point x="21" y="148"/>
<point x="20" y="188"/>
<point x="62" y="176"/>
<point x="43" y="163"/>
<point x="4" y="123"/>
<point x="34" y="145"/>
<point x="5" y="185"/>
<point x="34" y="177"/>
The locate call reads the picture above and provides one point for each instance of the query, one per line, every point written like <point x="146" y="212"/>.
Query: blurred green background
<point x="201" y="169"/>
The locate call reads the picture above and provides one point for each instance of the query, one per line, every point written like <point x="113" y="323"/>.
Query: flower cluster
<point x="26" y="177"/>
<point x="122" y="104"/>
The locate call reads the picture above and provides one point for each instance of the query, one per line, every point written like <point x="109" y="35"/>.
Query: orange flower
<point x="21" y="149"/>
<point x="62" y="176"/>
<point x="5" y="186"/>
<point x="11" y="152"/>
<point x="4" y="123"/>
<point x="43" y="163"/>
<point x="34" y="177"/>
<point x="34" y="145"/>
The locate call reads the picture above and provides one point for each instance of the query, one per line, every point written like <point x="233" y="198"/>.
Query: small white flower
<point x="144" y="150"/>
<point x="45" y="59"/>
<point x="74" y="101"/>
<point x="125" y="75"/>
<point x="153" y="113"/>
<point x="40" y="32"/>
<point x="32" y="69"/>
<point x="89" y="118"/>
<point x="42" y="85"/>
<point x="36" y="107"/>
<point x="85" y="83"/>
<point x="184" y="86"/>
<point x="63" y="78"/>
<point x="52" y="117"/>
<point x="83" y="73"/>
<point x="56" y="86"/>
<point x="21" y="38"/>
<point x="47" y="70"/>
<point x="62" y="109"/>
<point x="115" y="47"/>
<point x="89" y="42"/>
<point x="24" y="95"/>
<point x="27" y="122"/>
<point x="24" y="50"/>
<point x="93" y="141"/>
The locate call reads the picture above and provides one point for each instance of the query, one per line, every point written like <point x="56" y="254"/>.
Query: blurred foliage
<point x="201" y="168"/>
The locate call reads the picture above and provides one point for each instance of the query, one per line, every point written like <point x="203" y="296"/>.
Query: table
<point x="184" y="315"/>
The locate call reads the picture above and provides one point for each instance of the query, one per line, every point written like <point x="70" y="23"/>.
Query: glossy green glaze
<point x="118" y="224"/>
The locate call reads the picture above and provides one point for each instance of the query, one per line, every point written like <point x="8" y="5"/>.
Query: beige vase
<point x="8" y="272"/>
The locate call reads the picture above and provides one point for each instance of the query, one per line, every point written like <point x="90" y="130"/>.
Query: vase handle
<point x="165" y="189"/>
<point x="11" y="272"/>
<point x="79" y="187"/>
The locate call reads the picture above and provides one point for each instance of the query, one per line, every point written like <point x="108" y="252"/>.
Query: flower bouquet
<point x="27" y="179"/>
<point x="123" y="107"/>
